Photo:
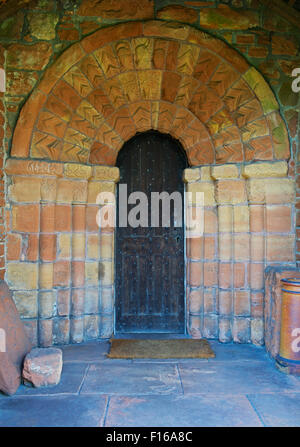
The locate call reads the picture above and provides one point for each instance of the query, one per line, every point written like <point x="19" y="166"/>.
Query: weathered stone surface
<point x="117" y="9"/>
<point x="231" y="191"/>
<point x="42" y="25"/>
<point x="11" y="27"/>
<point x="178" y="13"/>
<point x="29" y="57"/>
<point x="278" y="169"/>
<point x="14" y="344"/>
<point x="191" y="175"/>
<point x="279" y="135"/>
<point x="42" y="367"/>
<point x="22" y="276"/>
<point x="20" y="82"/>
<point x="224" y="17"/>
<point x="271" y="191"/>
<point x="73" y="170"/>
<point x="106" y="173"/>
<point x="206" y="190"/>
<point x="261" y="89"/>
<point x="287" y="96"/>
<point x="283" y="45"/>
<point x="225" y="171"/>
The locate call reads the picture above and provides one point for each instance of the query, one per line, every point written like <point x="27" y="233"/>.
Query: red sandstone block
<point x="47" y="218"/>
<point x="260" y="52"/>
<point x="14" y="243"/>
<point x="210" y="274"/>
<point x="241" y="330"/>
<point x="209" y="247"/>
<point x="210" y="221"/>
<point x="242" y="246"/>
<point x="32" y="250"/>
<point x="242" y="302"/>
<point x="225" y="302"/>
<point x="195" y="248"/>
<point x="257" y="276"/>
<point x="77" y="302"/>
<point x="48" y="247"/>
<point x="210" y="300"/>
<point x="280" y="248"/>
<point x="225" y="274"/>
<point x="91" y="222"/>
<point x="257" y="304"/>
<point x="76" y="330"/>
<point x="45" y="333"/>
<point x="278" y="219"/>
<point x="63" y="302"/>
<point x="78" y="218"/>
<point x="78" y="273"/>
<point x="61" y="273"/>
<point x="245" y="38"/>
<point x="25" y="218"/>
<point x="239" y="275"/>
<point x="257" y="247"/>
<point x="195" y="274"/>
<point x="170" y="84"/>
<point x="195" y="298"/>
<point x="63" y="218"/>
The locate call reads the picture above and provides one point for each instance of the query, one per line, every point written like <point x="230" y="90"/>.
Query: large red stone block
<point x="14" y="344"/>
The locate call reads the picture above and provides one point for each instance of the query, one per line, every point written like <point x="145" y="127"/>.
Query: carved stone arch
<point x="133" y="77"/>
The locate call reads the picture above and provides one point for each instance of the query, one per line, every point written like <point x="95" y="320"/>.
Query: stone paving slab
<point x="108" y="378"/>
<point x="70" y="382"/>
<point x="89" y="352"/>
<point x="277" y="410"/>
<point x="181" y="411"/>
<point x="53" y="411"/>
<point x="240" y="387"/>
<point x="237" y="352"/>
<point x="235" y="378"/>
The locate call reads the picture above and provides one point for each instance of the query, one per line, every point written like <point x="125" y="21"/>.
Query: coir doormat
<point x="160" y="349"/>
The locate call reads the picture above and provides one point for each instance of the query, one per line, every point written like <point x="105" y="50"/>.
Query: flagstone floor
<point x="240" y="387"/>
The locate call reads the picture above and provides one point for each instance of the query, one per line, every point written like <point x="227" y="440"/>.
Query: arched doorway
<point x="150" y="248"/>
<point x="96" y="96"/>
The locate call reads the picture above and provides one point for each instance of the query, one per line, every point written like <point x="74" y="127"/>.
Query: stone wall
<point x="59" y="261"/>
<point x="265" y="33"/>
<point x="2" y="157"/>
<point x="249" y="224"/>
<point x="250" y="212"/>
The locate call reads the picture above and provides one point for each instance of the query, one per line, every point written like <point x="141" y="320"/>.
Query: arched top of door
<point x="138" y="76"/>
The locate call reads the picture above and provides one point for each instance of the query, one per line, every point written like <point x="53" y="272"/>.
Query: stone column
<point x="201" y="259"/>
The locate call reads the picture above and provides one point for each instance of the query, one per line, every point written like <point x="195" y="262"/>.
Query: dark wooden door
<point x="150" y="261"/>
